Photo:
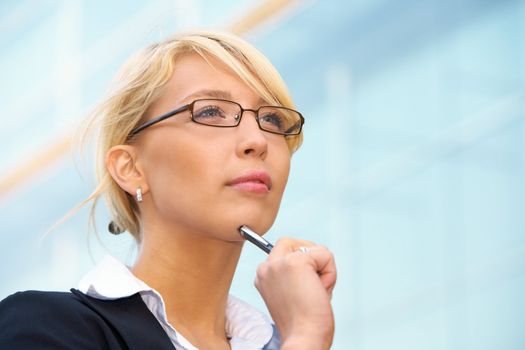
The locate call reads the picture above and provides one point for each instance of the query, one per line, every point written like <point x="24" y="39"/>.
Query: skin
<point x="190" y="213"/>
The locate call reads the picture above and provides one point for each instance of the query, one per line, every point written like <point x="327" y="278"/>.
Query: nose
<point x="252" y="141"/>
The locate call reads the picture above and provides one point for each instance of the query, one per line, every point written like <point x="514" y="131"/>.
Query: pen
<point x="254" y="238"/>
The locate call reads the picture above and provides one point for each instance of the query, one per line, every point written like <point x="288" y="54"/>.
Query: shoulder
<point x="48" y="307"/>
<point x="32" y="298"/>
<point x="49" y="320"/>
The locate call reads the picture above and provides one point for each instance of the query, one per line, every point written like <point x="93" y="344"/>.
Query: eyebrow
<point x="220" y="94"/>
<point x="209" y="93"/>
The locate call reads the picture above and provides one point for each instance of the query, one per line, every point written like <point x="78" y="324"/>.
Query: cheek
<point x="280" y="163"/>
<point x="186" y="183"/>
<point x="179" y="172"/>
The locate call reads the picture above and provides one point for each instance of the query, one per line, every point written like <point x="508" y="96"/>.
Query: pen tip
<point x="240" y="229"/>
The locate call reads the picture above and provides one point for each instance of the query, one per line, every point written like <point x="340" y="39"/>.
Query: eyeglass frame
<point x="189" y="107"/>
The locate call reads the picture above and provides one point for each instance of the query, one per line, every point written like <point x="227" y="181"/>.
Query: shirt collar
<point x="110" y="279"/>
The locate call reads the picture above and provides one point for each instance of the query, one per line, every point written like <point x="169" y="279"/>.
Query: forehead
<point x="195" y="77"/>
<point x="198" y="77"/>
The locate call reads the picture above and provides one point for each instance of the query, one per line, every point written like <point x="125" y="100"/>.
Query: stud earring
<point x="139" y="194"/>
<point x="114" y="228"/>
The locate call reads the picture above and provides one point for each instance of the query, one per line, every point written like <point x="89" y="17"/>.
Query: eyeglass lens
<point x="224" y="113"/>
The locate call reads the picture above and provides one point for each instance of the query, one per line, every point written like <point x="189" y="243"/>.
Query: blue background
<point x="412" y="170"/>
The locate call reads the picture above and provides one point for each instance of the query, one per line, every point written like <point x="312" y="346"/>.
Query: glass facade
<point x="412" y="169"/>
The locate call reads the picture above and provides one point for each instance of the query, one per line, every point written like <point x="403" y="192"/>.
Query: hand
<point x="297" y="288"/>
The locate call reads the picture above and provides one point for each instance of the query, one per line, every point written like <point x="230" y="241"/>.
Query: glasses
<point x="228" y="114"/>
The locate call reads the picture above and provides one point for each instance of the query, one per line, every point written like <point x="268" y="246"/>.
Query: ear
<point x="121" y="163"/>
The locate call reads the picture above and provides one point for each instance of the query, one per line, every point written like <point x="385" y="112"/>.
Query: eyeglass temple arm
<point x="157" y="119"/>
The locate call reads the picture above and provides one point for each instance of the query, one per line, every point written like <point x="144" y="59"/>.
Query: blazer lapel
<point x="131" y="319"/>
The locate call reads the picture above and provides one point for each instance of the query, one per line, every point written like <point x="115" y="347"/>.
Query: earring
<point x="114" y="228"/>
<point x="139" y="194"/>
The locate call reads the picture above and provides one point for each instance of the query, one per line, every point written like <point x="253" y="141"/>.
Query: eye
<point x="272" y="121"/>
<point x="208" y="112"/>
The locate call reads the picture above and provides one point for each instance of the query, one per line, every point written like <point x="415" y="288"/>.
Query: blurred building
<point x="412" y="170"/>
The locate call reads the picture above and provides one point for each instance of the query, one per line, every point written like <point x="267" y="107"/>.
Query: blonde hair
<point x="138" y="85"/>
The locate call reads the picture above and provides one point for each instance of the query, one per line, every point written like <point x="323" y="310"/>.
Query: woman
<point x="195" y="141"/>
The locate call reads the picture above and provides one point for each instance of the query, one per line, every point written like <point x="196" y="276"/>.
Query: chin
<point x="258" y="222"/>
<point x="228" y="228"/>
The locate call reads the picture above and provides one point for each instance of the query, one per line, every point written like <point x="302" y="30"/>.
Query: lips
<point x="252" y="181"/>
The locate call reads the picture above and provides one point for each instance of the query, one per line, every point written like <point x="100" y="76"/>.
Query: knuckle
<point x="310" y="243"/>
<point x="330" y="254"/>
<point x="285" y="240"/>
<point x="323" y="247"/>
<point x="325" y="250"/>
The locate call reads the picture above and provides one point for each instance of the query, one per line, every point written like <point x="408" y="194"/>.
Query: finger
<point x="287" y="245"/>
<point x="324" y="264"/>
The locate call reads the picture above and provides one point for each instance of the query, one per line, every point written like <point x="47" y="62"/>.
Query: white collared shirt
<point x="247" y="327"/>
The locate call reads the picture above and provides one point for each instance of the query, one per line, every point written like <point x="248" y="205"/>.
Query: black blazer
<point x="60" y="320"/>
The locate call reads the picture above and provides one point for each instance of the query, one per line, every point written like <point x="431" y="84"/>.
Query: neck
<point x="193" y="273"/>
